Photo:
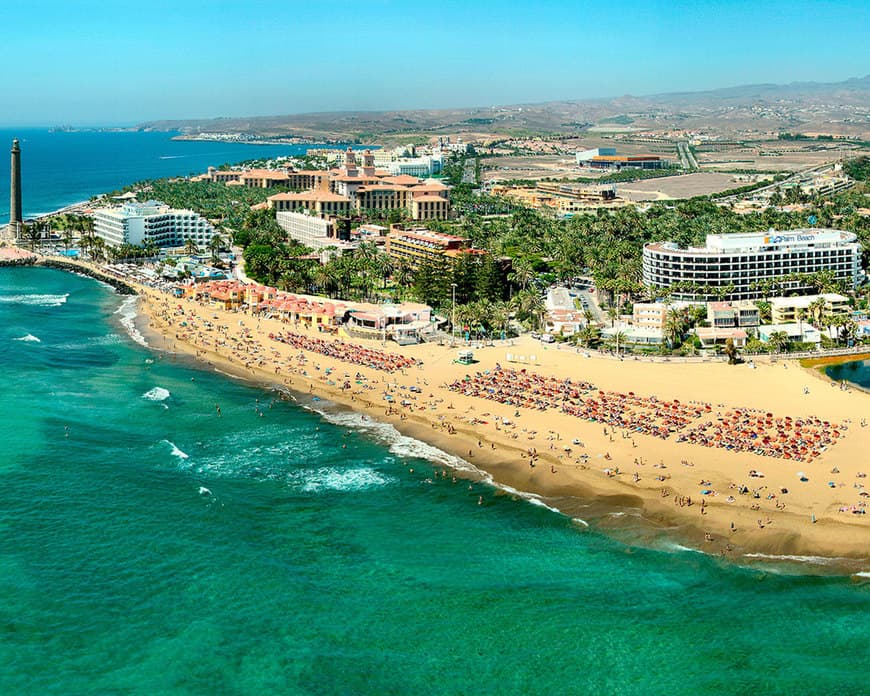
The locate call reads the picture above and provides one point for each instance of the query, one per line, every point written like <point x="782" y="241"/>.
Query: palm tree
<point x="190" y="247"/>
<point x="612" y="314"/>
<point x="529" y="307"/>
<point x="778" y="340"/>
<point x="675" y="325"/>
<point x="800" y="315"/>
<point x="499" y="315"/>
<point x="816" y="310"/>
<point x="617" y="339"/>
<point x="522" y="274"/>
<point x="589" y="334"/>
<point x="215" y="244"/>
<point x="33" y="233"/>
<point x="731" y="351"/>
<point x="403" y="276"/>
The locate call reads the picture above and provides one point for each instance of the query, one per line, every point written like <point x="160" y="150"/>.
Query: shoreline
<point x="836" y="543"/>
<point x="640" y="513"/>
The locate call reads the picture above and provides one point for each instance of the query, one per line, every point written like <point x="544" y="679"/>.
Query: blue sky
<point x="88" y="62"/>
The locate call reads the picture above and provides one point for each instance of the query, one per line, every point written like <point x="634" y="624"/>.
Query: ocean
<point x="61" y="168"/>
<point x="150" y="545"/>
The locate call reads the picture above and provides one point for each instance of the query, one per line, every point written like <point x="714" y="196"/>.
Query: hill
<point x="840" y="108"/>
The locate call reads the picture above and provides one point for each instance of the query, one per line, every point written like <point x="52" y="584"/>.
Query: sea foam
<point x="35" y="300"/>
<point x="329" y="478"/>
<point x="29" y="338"/>
<point x="398" y="444"/>
<point x="410" y="448"/>
<point x="127" y="314"/>
<point x="175" y="451"/>
<point x="156" y="394"/>
<point x="816" y="560"/>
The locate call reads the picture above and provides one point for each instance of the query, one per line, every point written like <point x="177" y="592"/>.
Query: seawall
<point x="120" y="285"/>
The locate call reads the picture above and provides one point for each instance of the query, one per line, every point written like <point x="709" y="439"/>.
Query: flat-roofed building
<point x="317" y="233"/>
<point x="785" y="310"/>
<point x="415" y="246"/>
<point x="726" y="315"/>
<point x="137" y="223"/>
<point x="606" y="158"/>
<point x="710" y="336"/>
<point x="736" y="266"/>
<point x="802" y="331"/>
<point x="650" y="315"/>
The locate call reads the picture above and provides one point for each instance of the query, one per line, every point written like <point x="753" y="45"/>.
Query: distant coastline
<point x="264" y="141"/>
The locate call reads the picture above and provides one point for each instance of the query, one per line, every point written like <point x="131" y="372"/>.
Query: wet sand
<point x="616" y="469"/>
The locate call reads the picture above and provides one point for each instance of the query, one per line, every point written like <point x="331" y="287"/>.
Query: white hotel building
<point x="135" y="223"/>
<point x="743" y="260"/>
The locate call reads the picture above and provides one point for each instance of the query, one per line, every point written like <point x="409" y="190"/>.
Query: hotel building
<point x="745" y="260"/>
<point x="136" y="223"/>
<point x="324" y="235"/>
<point x="416" y="246"/>
<point x="359" y="186"/>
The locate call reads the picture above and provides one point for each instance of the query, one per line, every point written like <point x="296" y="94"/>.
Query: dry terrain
<point x="685" y="186"/>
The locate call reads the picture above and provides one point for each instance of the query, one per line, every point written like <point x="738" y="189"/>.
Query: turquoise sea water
<point x="311" y="568"/>
<point x="60" y="168"/>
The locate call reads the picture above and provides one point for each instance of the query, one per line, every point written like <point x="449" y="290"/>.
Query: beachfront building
<point x="784" y="310"/>
<point x="712" y="336"/>
<point x="802" y="332"/>
<point x="633" y="335"/>
<point x="650" y="315"/>
<point x="138" y="223"/>
<point x="415" y="246"/>
<point x="403" y="323"/>
<point x="736" y="266"/>
<point x="728" y="315"/>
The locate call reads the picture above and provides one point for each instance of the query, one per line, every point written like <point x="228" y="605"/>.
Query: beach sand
<point x="623" y="473"/>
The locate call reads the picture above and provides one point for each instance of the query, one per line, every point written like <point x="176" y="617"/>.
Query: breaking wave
<point x="35" y="300"/>
<point x="156" y="394"/>
<point x="329" y="478"/>
<point x="127" y="314"/>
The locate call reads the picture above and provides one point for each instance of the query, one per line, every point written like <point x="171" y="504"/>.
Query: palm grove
<point x="525" y="250"/>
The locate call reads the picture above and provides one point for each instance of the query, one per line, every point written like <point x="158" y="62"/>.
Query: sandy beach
<point x="700" y="491"/>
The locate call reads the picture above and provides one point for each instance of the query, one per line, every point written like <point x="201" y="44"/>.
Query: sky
<point x="118" y="62"/>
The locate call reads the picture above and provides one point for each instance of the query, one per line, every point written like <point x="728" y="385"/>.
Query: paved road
<point x="561" y="297"/>
<point x="800" y="177"/>
<point x="687" y="159"/>
<point x="469" y="172"/>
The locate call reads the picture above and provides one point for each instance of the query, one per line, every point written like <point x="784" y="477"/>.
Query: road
<point x="469" y="172"/>
<point x="687" y="159"/>
<point x="800" y="177"/>
<point x="561" y="297"/>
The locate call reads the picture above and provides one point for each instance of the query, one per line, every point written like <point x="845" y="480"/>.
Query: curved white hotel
<point x="134" y="223"/>
<point x="743" y="260"/>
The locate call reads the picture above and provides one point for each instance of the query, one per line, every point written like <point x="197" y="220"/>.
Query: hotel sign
<point x="789" y="238"/>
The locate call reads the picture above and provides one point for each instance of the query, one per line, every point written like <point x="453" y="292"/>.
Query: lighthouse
<point x="15" y="218"/>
